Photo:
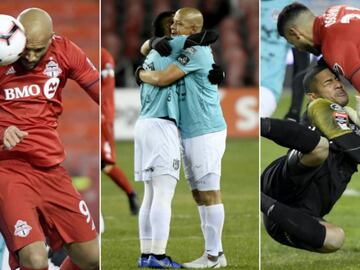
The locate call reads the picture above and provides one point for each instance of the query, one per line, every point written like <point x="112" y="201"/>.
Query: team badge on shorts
<point x="22" y="229"/>
<point x="176" y="164"/>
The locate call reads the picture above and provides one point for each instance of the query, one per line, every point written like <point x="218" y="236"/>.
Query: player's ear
<point x="293" y="31"/>
<point x="194" y="29"/>
<point x="312" y="96"/>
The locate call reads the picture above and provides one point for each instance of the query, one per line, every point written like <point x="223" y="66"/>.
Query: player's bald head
<point x="37" y="23"/>
<point x="187" y="21"/>
<point x="39" y="31"/>
<point x="192" y="16"/>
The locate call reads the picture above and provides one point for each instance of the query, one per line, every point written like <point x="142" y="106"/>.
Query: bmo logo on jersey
<point x="49" y="90"/>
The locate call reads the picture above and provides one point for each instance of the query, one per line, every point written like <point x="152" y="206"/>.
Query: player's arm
<point x="163" y="77"/>
<point x="332" y="120"/>
<point x="354" y="114"/>
<point x="11" y="136"/>
<point x="93" y="91"/>
<point x="145" y="48"/>
<point x="351" y="58"/>
<point x="163" y="47"/>
<point x="83" y="71"/>
<point x="355" y="79"/>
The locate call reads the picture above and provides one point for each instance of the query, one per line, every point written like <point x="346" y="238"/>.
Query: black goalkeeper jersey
<point x="320" y="187"/>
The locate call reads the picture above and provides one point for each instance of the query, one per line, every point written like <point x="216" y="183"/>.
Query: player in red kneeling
<point x="108" y="151"/>
<point x="38" y="202"/>
<point x="334" y="35"/>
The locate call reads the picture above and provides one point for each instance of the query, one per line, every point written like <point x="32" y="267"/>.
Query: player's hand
<point x="354" y="114"/>
<point x="13" y="136"/>
<point x="216" y="74"/>
<point x="137" y="75"/>
<point x="161" y="45"/>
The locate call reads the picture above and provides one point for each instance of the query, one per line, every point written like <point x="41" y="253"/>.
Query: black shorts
<point x="286" y="178"/>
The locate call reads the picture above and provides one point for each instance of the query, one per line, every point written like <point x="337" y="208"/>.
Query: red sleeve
<point x="350" y="63"/>
<point x="1" y="136"/>
<point x="93" y="91"/>
<point x="355" y="80"/>
<point x="346" y="44"/>
<point x="107" y="86"/>
<point x="82" y="70"/>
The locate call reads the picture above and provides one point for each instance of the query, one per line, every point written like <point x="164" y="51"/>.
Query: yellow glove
<point x="329" y="117"/>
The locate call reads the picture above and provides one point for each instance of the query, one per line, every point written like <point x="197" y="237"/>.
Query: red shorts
<point x="108" y="151"/>
<point x="40" y="202"/>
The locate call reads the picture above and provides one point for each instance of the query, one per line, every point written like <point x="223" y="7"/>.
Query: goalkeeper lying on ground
<point x="300" y="188"/>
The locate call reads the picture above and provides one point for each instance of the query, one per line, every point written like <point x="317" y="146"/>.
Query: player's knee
<point x="334" y="240"/>
<point x="107" y="168"/>
<point x="210" y="197"/>
<point x="37" y="261"/>
<point x="196" y="196"/>
<point x="90" y="260"/>
<point x="34" y="257"/>
<point x="90" y="263"/>
<point x="85" y="255"/>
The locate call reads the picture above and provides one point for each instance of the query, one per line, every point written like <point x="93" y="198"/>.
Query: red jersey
<point x="31" y="100"/>
<point x="337" y="33"/>
<point x="107" y="87"/>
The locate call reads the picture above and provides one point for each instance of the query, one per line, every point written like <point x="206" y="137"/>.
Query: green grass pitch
<point x="345" y="214"/>
<point x="120" y="245"/>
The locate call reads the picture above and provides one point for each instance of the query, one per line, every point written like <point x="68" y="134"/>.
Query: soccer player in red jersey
<point x="335" y="35"/>
<point x="37" y="199"/>
<point x="108" y="151"/>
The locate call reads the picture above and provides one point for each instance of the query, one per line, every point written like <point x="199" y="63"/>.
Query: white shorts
<point x="202" y="155"/>
<point x="157" y="149"/>
<point x="268" y="102"/>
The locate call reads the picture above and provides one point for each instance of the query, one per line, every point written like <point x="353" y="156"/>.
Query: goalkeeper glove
<point x="137" y="75"/>
<point x="216" y="74"/>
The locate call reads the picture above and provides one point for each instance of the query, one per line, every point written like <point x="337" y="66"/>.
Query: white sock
<point x="202" y="214"/>
<point x="101" y="224"/>
<point x="144" y="219"/>
<point x="160" y="214"/>
<point x="215" y="216"/>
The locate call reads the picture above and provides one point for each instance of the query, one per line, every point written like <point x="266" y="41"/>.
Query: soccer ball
<point x="12" y="40"/>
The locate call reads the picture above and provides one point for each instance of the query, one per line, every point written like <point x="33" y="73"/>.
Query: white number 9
<point x="84" y="210"/>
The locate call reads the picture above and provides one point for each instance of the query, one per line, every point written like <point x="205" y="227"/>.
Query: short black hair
<point x="312" y="72"/>
<point x="289" y="13"/>
<point x="158" y="24"/>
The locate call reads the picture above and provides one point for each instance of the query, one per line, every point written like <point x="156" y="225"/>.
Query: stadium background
<point x="79" y="123"/>
<point x="345" y="213"/>
<point x="125" y="26"/>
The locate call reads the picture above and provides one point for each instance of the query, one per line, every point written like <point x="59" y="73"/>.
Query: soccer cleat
<point x="133" y="203"/>
<point x="143" y="262"/>
<point x="222" y="259"/>
<point x="165" y="263"/>
<point x="205" y="262"/>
